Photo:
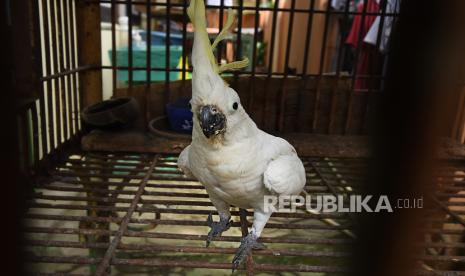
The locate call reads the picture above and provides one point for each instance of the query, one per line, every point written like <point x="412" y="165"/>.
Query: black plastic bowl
<point x="114" y="113"/>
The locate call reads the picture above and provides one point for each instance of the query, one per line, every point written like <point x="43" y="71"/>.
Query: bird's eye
<point x="235" y="105"/>
<point x="190" y="106"/>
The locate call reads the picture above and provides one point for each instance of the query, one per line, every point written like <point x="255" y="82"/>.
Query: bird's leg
<point x="217" y="227"/>
<point x="250" y="242"/>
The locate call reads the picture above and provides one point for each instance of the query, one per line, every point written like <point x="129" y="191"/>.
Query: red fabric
<point x="358" y="29"/>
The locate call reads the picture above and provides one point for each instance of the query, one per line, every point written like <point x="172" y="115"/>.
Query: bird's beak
<point x="212" y="121"/>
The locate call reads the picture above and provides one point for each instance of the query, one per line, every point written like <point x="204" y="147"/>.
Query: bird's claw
<point x="248" y="243"/>
<point x="216" y="228"/>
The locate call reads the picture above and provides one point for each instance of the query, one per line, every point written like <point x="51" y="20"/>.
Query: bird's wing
<point x="183" y="162"/>
<point x="285" y="174"/>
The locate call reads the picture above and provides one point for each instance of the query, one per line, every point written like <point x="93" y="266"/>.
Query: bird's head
<point x="218" y="114"/>
<point x="216" y="107"/>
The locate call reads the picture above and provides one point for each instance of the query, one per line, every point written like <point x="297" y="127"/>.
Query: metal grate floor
<point x="102" y="213"/>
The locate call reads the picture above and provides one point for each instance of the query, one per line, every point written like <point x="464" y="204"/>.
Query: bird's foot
<point x="217" y="227"/>
<point x="248" y="243"/>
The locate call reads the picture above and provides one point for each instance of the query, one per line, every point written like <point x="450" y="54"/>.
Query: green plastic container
<point x="158" y="60"/>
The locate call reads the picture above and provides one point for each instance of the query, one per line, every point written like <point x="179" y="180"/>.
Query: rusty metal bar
<point x="343" y="226"/>
<point x="124" y="222"/>
<point x="185" y="249"/>
<point x="185" y="264"/>
<point x="158" y="235"/>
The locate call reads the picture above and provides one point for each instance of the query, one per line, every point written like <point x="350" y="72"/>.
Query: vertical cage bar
<point x="56" y="123"/>
<point x="289" y="38"/>
<point x="113" y="46"/>
<point x="321" y="65"/>
<point x="308" y="36"/>
<point x="238" y="54"/>
<point x="335" y="84"/>
<point x="130" y="51"/>
<point x="167" y="57"/>
<point x="355" y="66"/>
<point x="61" y="93"/>
<point x="273" y="37"/>
<point x="219" y="47"/>
<point x="184" y="44"/>
<point x="255" y="37"/>
<point x="148" y="55"/>
<point x="71" y="91"/>
<point x="254" y="56"/>
<point x="271" y="53"/>
<point x="67" y="78"/>
<point x="283" y="91"/>
<point x="45" y="63"/>
<point x="76" y="99"/>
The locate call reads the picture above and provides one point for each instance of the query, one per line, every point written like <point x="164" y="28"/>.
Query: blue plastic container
<point x="180" y="116"/>
<point x="159" y="38"/>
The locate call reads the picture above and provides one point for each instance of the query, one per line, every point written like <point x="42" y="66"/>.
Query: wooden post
<point x="25" y="38"/>
<point x="89" y="54"/>
<point x="89" y="51"/>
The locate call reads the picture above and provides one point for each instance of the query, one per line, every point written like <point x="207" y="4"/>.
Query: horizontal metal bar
<point x="185" y="249"/>
<point x="178" y="211"/>
<point x="69" y="72"/>
<point x="158" y="235"/>
<point x="183" y="263"/>
<point x="180" y="222"/>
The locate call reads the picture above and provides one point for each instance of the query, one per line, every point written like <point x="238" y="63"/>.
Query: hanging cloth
<point x="392" y="7"/>
<point x="364" y="60"/>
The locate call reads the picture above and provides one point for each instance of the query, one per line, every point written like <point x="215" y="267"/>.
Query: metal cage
<point x="104" y="210"/>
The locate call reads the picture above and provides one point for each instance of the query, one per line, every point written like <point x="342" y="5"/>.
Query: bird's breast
<point x="235" y="175"/>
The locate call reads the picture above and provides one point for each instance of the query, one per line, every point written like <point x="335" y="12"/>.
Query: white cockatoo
<point x="236" y="162"/>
